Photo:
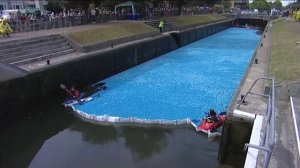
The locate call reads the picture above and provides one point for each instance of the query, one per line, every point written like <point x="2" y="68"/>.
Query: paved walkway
<point x="285" y="152"/>
<point x="257" y="104"/>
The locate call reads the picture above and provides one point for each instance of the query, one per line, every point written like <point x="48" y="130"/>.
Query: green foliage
<point x="270" y="5"/>
<point x="179" y="4"/>
<point x="284" y="62"/>
<point x="226" y="4"/>
<point x="277" y="4"/>
<point x="92" y="6"/>
<point x="53" y="6"/>
<point x="77" y="4"/>
<point x="109" y="32"/>
<point x="261" y="5"/>
<point x="195" y="20"/>
<point x="294" y="5"/>
<point x="109" y="4"/>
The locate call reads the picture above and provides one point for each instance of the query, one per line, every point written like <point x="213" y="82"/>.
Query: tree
<point x="261" y="5"/>
<point x="110" y="4"/>
<point x="277" y="4"/>
<point x="53" y="6"/>
<point x="226" y="4"/>
<point x="75" y="4"/>
<point x="179" y="4"/>
<point x="294" y="5"/>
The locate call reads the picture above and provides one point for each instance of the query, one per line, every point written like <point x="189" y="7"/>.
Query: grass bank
<point x="115" y="30"/>
<point x="284" y="62"/>
<point x="109" y="32"/>
<point x="183" y="21"/>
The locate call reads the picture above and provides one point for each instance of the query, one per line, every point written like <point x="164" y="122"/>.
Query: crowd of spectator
<point x="46" y="19"/>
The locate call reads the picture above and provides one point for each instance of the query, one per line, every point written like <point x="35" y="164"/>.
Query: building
<point x="21" y="4"/>
<point x="40" y="4"/>
<point x="11" y="4"/>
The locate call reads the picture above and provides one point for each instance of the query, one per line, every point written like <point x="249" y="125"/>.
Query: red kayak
<point x="206" y="126"/>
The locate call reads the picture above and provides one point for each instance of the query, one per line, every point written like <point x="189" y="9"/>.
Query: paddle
<point x="222" y="113"/>
<point x="62" y="86"/>
<point x="99" y="84"/>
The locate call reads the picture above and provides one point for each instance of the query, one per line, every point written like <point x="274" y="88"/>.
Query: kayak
<point x="206" y="127"/>
<point x="85" y="96"/>
<point x="71" y="102"/>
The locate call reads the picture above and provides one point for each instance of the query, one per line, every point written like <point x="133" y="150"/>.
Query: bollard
<point x="242" y="96"/>
<point x="261" y="44"/>
<point x="48" y="62"/>
<point x="256" y="61"/>
<point x="264" y="36"/>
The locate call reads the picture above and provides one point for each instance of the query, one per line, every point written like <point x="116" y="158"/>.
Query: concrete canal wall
<point x="237" y="130"/>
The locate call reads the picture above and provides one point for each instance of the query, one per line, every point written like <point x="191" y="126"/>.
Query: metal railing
<point x="40" y="24"/>
<point x="268" y="142"/>
<point x="254" y="16"/>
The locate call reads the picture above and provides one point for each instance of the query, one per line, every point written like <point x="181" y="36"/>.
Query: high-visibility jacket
<point x="298" y="15"/>
<point x="161" y="24"/>
<point x="5" y="27"/>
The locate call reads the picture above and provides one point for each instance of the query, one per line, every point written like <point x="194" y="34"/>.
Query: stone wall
<point x="196" y="33"/>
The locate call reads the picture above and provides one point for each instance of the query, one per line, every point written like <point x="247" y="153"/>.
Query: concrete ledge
<point x="199" y="25"/>
<point x="252" y="153"/>
<point x="241" y="115"/>
<point x="27" y="41"/>
<point x="295" y="119"/>
<point x="9" y="72"/>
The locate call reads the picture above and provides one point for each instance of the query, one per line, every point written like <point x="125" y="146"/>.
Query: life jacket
<point x="5" y="27"/>
<point x="161" y="24"/>
<point x="74" y="93"/>
<point x="211" y="119"/>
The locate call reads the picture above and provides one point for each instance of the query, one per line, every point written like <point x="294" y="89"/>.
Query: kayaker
<point x="74" y="92"/>
<point x="212" y="116"/>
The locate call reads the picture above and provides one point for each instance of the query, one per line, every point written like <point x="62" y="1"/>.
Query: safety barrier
<point x="268" y="140"/>
<point x="254" y="16"/>
<point x="112" y="119"/>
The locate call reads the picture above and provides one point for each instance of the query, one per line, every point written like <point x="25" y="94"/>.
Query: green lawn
<point x="284" y="62"/>
<point x="109" y="32"/>
<point x="195" y="20"/>
<point x="130" y="28"/>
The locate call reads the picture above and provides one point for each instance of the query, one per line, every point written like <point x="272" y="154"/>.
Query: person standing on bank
<point x="161" y="25"/>
<point x="5" y="28"/>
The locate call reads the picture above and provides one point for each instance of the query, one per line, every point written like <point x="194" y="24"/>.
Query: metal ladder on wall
<point x="269" y="134"/>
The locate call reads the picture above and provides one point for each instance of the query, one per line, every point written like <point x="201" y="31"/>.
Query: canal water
<point x="50" y="136"/>
<point x="180" y="85"/>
